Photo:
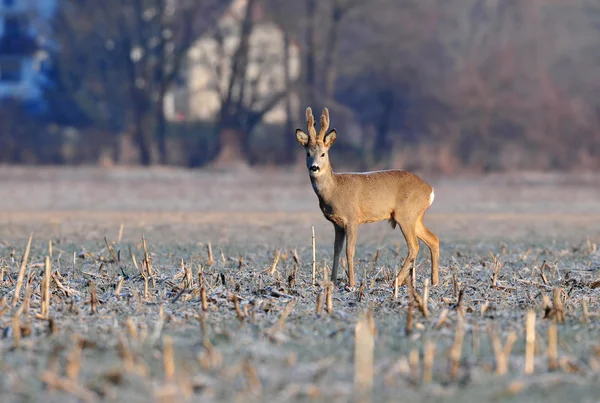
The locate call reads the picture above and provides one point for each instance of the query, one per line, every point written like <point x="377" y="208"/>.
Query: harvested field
<point x="88" y="314"/>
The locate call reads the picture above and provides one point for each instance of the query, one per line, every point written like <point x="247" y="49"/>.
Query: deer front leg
<point x="340" y="236"/>
<point x="351" y="233"/>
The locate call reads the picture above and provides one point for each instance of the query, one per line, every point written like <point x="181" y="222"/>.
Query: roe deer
<point x="350" y="199"/>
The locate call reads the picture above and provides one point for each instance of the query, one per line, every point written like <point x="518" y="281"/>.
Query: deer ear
<point x="330" y="137"/>
<point x="301" y="137"/>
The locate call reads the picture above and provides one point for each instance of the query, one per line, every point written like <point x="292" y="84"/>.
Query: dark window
<point x="13" y="27"/>
<point x="10" y="69"/>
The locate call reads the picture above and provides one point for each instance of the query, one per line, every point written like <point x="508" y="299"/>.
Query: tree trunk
<point x="143" y="145"/>
<point x="161" y="128"/>
<point x="311" y="56"/>
<point x="232" y="148"/>
<point x="117" y="148"/>
<point x="232" y="116"/>
<point x="329" y="64"/>
<point x="289" y="124"/>
<point x="382" y="144"/>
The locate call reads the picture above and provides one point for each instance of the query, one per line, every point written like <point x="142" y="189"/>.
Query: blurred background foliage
<point x="438" y="85"/>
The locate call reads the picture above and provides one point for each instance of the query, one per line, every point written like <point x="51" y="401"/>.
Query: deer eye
<point x="322" y="155"/>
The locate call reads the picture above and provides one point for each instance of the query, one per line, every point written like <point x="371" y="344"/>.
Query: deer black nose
<point x="314" y="168"/>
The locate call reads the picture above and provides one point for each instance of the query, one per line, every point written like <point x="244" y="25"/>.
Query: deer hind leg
<point x="340" y="236"/>
<point x="408" y="228"/>
<point x="433" y="243"/>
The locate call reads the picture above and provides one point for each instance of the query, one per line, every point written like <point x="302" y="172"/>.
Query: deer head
<point x="317" y="145"/>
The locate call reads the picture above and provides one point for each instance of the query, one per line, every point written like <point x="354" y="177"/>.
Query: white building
<point x="208" y="69"/>
<point x="24" y="30"/>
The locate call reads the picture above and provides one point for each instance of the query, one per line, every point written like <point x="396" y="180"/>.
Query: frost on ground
<point x="242" y="324"/>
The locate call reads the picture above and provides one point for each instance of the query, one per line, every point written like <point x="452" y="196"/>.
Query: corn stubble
<point x="201" y="294"/>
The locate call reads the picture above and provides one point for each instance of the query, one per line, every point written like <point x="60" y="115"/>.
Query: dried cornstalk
<point x="484" y="307"/>
<point x="475" y="335"/>
<point x="361" y="291"/>
<point x="28" y="293"/>
<point x="426" y="298"/>
<point x="111" y="251"/>
<point x="413" y="362"/>
<point x="428" y="358"/>
<point x="238" y="311"/>
<point x="364" y="346"/>
<point x="501" y="353"/>
<point x="68" y="291"/>
<point x="286" y="312"/>
<point x="119" y="286"/>
<point x="65" y="385"/>
<point x="558" y="305"/>
<point x="542" y="274"/>
<point x="210" y="260"/>
<point x="131" y="328"/>
<point x="147" y="262"/>
<point x="552" y="346"/>
<point x="459" y="303"/>
<point x="530" y="342"/>
<point x="168" y="358"/>
<point x="125" y="353"/>
<point x="456" y="349"/>
<point x="455" y="285"/>
<point x="254" y="384"/>
<point x="50" y="247"/>
<point x="74" y="359"/>
<point x="22" y="271"/>
<point x="292" y="277"/>
<point x="93" y="298"/>
<point x="442" y="319"/>
<point x="497" y="267"/>
<point x="416" y="299"/>
<point x="46" y="289"/>
<point x="146" y="292"/>
<point x="203" y="299"/>
<point x="16" y="326"/>
<point x="133" y="258"/>
<point x="120" y="235"/>
<point x="188" y="279"/>
<point x="584" y="309"/>
<point x="200" y="276"/>
<point x="275" y="261"/>
<point x="319" y="308"/>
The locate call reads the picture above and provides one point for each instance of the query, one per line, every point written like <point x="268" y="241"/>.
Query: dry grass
<point x="120" y="301"/>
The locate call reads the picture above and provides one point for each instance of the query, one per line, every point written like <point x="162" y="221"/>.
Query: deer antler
<point x="324" y="124"/>
<point x="310" y="121"/>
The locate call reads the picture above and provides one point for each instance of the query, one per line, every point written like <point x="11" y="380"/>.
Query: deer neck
<point x="324" y="184"/>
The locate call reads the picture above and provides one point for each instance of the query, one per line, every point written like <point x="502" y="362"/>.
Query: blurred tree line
<point x="440" y="85"/>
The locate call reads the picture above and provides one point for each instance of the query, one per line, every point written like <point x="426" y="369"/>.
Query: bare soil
<point x="541" y="231"/>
